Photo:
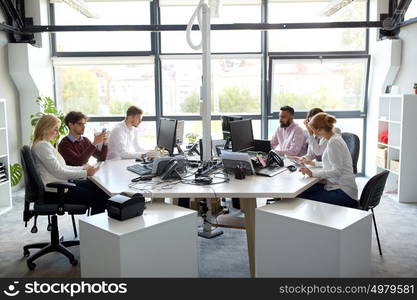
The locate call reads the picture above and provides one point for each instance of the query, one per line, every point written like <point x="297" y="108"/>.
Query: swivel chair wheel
<point x="74" y="262"/>
<point x="31" y="265"/>
<point x="26" y="253"/>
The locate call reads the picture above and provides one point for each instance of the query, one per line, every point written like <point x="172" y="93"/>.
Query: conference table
<point x="113" y="178"/>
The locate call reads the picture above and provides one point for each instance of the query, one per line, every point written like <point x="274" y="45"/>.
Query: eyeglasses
<point x="81" y="124"/>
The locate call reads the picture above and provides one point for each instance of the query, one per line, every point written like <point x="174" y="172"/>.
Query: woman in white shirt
<point x="52" y="168"/>
<point x="338" y="184"/>
<point x="316" y="145"/>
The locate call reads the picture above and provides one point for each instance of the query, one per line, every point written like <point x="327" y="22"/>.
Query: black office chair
<point x="371" y="196"/>
<point x="353" y="144"/>
<point x="46" y="204"/>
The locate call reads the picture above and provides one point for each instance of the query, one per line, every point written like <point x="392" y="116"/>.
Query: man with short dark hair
<point x="289" y="138"/>
<point x="77" y="149"/>
<point x="124" y="138"/>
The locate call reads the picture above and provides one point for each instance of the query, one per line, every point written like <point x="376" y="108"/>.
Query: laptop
<point x="269" y="171"/>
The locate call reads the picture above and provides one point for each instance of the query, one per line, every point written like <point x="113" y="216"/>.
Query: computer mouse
<point x="292" y="168"/>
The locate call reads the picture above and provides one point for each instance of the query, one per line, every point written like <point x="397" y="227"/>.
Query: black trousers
<point x="86" y="192"/>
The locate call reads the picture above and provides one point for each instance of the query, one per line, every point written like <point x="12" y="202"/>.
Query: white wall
<point x="407" y="75"/>
<point x="380" y="54"/>
<point x="10" y="93"/>
<point x="31" y="68"/>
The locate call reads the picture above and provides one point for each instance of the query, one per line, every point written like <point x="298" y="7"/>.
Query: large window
<point x="180" y="12"/>
<point x="106" y="89"/>
<point x="236" y="85"/>
<point x="411" y="11"/>
<point x="110" y="13"/>
<point x="313" y="40"/>
<point x="254" y="73"/>
<point x="332" y="84"/>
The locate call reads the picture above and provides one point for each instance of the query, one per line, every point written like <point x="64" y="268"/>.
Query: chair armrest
<point x="62" y="185"/>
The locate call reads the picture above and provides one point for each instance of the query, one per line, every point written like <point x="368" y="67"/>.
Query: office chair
<point x="353" y="143"/>
<point x="46" y="204"/>
<point x="371" y="196"/>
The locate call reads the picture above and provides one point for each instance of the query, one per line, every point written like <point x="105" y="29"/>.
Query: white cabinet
<point x="5" y="189"/>
<point x="306" y="238"/>
<point x="398" y="118"/>
<point x="160" y="243"/>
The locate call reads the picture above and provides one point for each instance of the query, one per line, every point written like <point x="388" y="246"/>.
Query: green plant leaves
<point x="16" y="174"/>
<point x="47" y="105"/>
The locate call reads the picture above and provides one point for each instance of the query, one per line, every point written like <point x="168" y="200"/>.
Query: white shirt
<point x="316" y="146"/>
<point x="337" y="167"/>
<point x="52" y="167"/>
<point x="124" y="142"/>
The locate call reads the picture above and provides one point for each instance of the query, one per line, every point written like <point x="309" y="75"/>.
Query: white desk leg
<point x="248" y="206"/>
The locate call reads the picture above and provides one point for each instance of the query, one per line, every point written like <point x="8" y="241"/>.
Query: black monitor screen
<point x="226" y="125"/>
<point x="242" y="135"/>
<point x="167" y="134"/>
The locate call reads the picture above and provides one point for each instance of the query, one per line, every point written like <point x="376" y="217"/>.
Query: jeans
<point x="86" y="192"/>
<point x="336" y="197"/>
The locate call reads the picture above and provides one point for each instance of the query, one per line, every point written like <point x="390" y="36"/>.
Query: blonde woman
<point x="51" y="167"/>
<point x="340" y="187"/>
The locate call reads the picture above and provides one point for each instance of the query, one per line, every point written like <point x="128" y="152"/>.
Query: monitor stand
<point x="227" y="144"/>
<point x="194" y="149"/>
<point x="208" y="231"/>
<point x="179" y="149"/>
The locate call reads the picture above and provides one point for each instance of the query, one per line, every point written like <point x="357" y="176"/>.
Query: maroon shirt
<point x="78" y="153"/>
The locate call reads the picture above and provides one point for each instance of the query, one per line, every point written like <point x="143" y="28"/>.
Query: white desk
<point x="160" y="243"/>
<point x="305" y="238"/>
<point x="113" y="178"/>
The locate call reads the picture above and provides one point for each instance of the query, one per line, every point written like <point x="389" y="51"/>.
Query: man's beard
<point x="284" y="125"/>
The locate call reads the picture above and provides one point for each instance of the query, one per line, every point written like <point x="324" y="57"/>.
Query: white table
<point x="305" y="238"/>
<point x="113" y="178"/>
<point x="160" y="243"/>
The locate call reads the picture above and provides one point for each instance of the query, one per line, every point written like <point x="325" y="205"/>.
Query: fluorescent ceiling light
<point x="335" y="6"/>
<point x="80" y="6"/>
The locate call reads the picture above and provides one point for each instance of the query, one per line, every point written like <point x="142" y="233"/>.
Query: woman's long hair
<point x="45" y="124"/>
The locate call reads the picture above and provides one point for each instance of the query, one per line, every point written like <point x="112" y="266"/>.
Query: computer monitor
<point x="226" y="128"/>
<point x="242" y="135"/>
<point x="167" y="135"/>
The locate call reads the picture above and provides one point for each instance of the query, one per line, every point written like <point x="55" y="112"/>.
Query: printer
<point x="122" y="207"/>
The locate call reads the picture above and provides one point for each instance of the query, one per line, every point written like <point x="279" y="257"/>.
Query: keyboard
<point x="270" y="171"/>
<point x="141" y="169"/>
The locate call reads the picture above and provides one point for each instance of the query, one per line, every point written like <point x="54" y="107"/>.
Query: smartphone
<point x="104" y="130"/>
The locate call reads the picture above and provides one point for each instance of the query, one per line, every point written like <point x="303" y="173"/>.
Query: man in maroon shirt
<point x="77" y="149"/>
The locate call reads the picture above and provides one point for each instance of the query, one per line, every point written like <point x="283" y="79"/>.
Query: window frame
<point x="266" y="66"/>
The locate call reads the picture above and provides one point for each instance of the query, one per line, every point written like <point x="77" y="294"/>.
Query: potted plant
<point x="192" y="137"/>
<point x="415" y="88"/>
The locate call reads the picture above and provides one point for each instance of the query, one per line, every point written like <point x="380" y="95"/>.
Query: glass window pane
<point x="111" y="13"/>
<point x="196" y="127"/>
<point x="236" y="86"/>
<point x="411" y="11"/>
<point x="147" y="131"/>
<point x="329" y="84"/>
<point x="102" y="90"/>
<point x="221" y="41"/>
<point x="345" y="125"/>
<point x="305" y="40"/>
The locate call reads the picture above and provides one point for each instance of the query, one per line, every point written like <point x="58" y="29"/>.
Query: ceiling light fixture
<point x="82" y="7"/>
<point x="335" y="6"/>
